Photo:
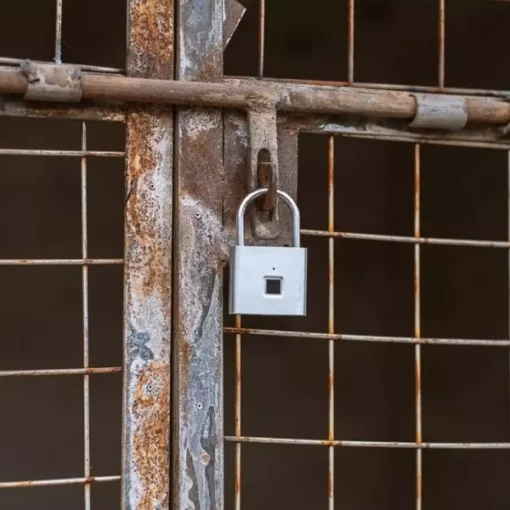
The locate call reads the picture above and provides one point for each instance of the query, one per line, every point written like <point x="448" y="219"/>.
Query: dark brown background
<point x="465" y="290"/>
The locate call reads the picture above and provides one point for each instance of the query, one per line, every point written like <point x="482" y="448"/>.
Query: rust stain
<point x="151" y="443"/>
<point x="331" y="484"/>
<point x="151" y="32"/>
<point x="143" y="155"/>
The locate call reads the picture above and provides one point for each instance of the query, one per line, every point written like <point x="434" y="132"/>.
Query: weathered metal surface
<point x="399" y="130"/>
<point x="11" y="107"/>
<point x="263" y="144"/>
<point x="248" y="94"/>
<point x="8" y="61"/>
<point x="237" y="147"/>
<point x="434" y="111"/>
<point x="52" y="83"/>
<point x="148" y="263"/>
<point x="234" y="13"/>
<point x="201" y="255"/>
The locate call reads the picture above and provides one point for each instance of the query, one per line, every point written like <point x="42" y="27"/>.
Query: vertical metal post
<point x="198" y="310"/>
<point x="148" y="244"/>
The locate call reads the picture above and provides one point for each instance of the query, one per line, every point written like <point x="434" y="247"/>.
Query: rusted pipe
<point x="246" y="94"/>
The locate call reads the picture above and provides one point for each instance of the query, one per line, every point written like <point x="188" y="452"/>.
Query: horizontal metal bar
<point x="369" y="444"/>
<point x="60" y="371"/>
<point x="368" y="338"/>
<point x="15" y="107"/>
<point x="61" y="481"/>
<point x="408" y="239"/>
<point x="87" y="68"/>
<point x="60" y="262"/>
<point x="247" y="94"/>
<point x="385" y="86"/>
<point x="71" y="154"/>
<point x="481" y="138"/>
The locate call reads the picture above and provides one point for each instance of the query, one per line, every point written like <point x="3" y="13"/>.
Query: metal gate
<point x="196" y="143"/>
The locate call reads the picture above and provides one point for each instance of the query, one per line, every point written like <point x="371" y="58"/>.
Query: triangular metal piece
<point x="234" y="12"/>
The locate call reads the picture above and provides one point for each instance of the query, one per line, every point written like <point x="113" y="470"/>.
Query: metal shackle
<point x="296" y="217"/>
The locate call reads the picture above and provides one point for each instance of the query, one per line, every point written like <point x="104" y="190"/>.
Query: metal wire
<point x="86" y="371"/>
<point x="58" y="33"/>
<point x="70" y="154"/>
<point x="417" y="324"/>
<point x="351" y="42"/>
<point x="441" y="30"/>
<point x="57" y="482"/>
<point x="369" y="444"/>
<point x="60" y="262"/>
<point x="60" y="371"/>
<point x="331" y="319"/>
<point x="261" y="37"/>
<point x="8" y="61"/>
<point x="238" y="471"/>
<point x="85" y="288"/>
<point x="369" y="338"/>
<point x="408" y="240"/>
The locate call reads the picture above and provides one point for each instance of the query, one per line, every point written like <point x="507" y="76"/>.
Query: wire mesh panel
<point x="341" y="428"/>
<point x="42" y="366"/>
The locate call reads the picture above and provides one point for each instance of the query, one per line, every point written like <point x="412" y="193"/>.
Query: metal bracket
<point x="263" y="170"/>
<point x="234" y="13"/>
<point x="434" y="111"/>
<point x="50" y="82"/>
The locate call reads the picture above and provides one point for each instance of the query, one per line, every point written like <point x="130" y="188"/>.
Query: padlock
<point x="268" y="280"/>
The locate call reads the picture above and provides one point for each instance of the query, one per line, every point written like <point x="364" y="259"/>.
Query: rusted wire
<point x="408" y="240"/>
<point x="55" y="153"/>
<point x="261" y="37"/>
<point x="417" y="324"/>
<point x="60" y="372"/>
<point x="58" y="32"/>
<point x="85" y="304"/>
<point x="370" y="444"/>
<point x="60" y="262"/>
<point x="57" y="482"/>
<point x="238" y="472"/>
<point x="441" y="32"/>
<point x="351" y="42"/>
<point x="369" y="338"/>
<point x="331" y="320"/>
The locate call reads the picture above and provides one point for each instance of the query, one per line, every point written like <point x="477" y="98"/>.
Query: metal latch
<point x="263" y="170"/>
<point x="435" y="111"/>
<point x="49" y="82"/>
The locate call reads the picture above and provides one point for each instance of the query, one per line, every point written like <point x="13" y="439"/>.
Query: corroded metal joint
<point x="51" y="82"/>
<point x="435" y="111"/>
<point x="263" y="169"/>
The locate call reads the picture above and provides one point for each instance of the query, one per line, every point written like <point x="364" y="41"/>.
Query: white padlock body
<point x="268" y="280"/>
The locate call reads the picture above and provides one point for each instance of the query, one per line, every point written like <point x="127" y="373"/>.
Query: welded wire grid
<point x="57" y="57"/>
<point x="86" y="371"/>
<point x="331" y="337"/>
<point x="351" y="30"/>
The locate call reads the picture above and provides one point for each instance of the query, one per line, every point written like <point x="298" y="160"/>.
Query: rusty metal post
<point x="198" y="310"/>
<point x="148" y="243"/>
